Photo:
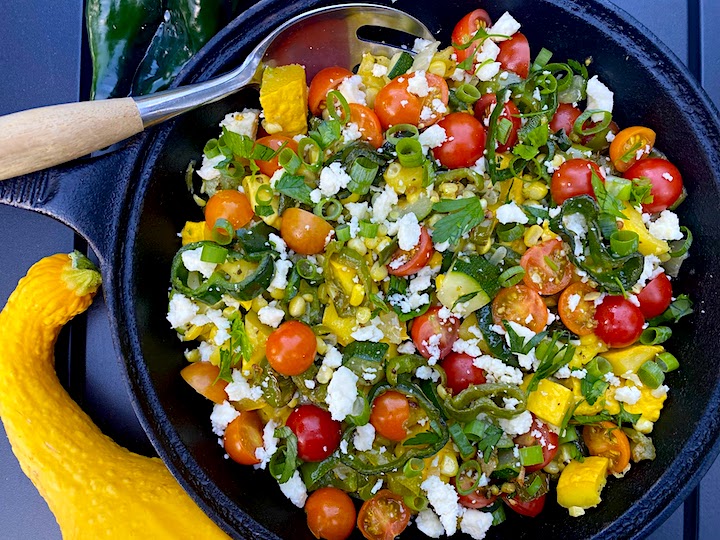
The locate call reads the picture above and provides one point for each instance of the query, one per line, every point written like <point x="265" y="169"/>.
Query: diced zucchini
<point x="399" y="64"/>
<point x="456" y="286"/>
<point x="508" y="465"/>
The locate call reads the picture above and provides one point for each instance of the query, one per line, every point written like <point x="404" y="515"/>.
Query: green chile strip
<point x="476" y="399"/>
<point x="406" y="363"/>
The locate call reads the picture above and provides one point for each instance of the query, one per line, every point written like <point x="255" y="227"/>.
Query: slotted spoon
<point x="39" y="138"/>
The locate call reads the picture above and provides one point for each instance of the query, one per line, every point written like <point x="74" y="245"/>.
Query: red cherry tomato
<point x="522" y="305"/>
<point x="433" y="336"/>
<point x="547" y="268"/>
<point x="510" y="112"/>
<point x="667" y="183"/>
<point x="655" y="297"/>
<point x="465" y="29"/>
<point x="530" y="508"/>
<point x="461" y="372"/>
<point x="330" y="514"/>
<point x="465" y="141"/>
<point x="574" y="178"/>
<point x="406" y="263"/>
<point x="394" y="104"/>
<point x="389" y="415"/>
<point x="515" y="55"/>
<point x="480" y="498"/>
<point x="291" y="349"/>
<point x="326" y="79"/>
<point x="619" y="321"/>
<point x="274" y="142"/>
<point x="368" y="124"/>
<point x="317" y="433"/>
<point x="539" y="434"/>
<point x="564" y="118"/>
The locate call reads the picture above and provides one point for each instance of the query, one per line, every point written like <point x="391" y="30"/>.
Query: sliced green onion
<point x="686" y="245"/>
<point x="213" y="254"/>
<point x="307" y="270"/>
<point x="310" y="153"/>
<point x="289" y="160"/>
<point x="461" y="440"/>
<point x="498" y="515"/>
<point x="541" y="59"/>
<point x="651" y="375"/>
<point x="546" y="83"/>
<point x="531" y="455"/>
<point x="329" y="209"/>
<point x="655" y="335"/>
<point x="564" y="79"/>
<point x="569" y="435"/>
<point x="534" y="486"/>
<point x="598" y="367"/>
<point x="620" y="188"/>
<point x="475" y="430"/>
<point x="223" y="232"/>
<point x="467" y="93"/>
<point x="368" y="229"/>
<point x="511" y="276"/>
<point x="413" y="467"/>
<point x="503" y="130"/>
<point x="667" y="362"/>
<point x="416" y="503"/>
<point x="624" y="242"/>
<point x="360" y="414"/>
<point x="409" y="152"/>
<point x="338" y="106"/>
<point x="264" y="195"/>
<point x="399" y="132"/>
<point x="363" y="173"/>
<point x="507" y="232"/>
<point x="463" y="471"/>
<point x="342" y="233"/>
<point x="592" y="130"/>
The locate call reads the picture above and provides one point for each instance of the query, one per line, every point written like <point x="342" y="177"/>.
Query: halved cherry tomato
<point x="667" y="182"/>
<point x="228" y="204"/>
<point x="608" y="440"/>
<point x="461" y="372"/>
<point x="291" y="348"/>
<point x="433" y="336"/>
<point x="539" y="434"/>
<point x="274" y="142"/>
<point x="318" y="435"/>
<point x="573" y="178"/>
<point x="547" y="268"/>
<point x="394" y="104"/>
<point x="619" y="321"/>
<point x="525" y="508"/>
<point x="203" y="377"/>
<point x="522" y="305"/>
<point x="577" y="314"/>
<point x="628" y="144"/>
<point x="368" y="124"/>
<point x="656" y="296"/>
<point x="243" y="437"/>
<point x="465" y="142"/>
<point x="389" y="415"/>
<point x="515" y="55"/>
<point x="564" y="118"/>
<point x="326" y="79"/>
<point x="406" y="263"/>
<point x="464" y="31"/>
<point x="510" y="112"/>
<point x="480" y="498"/>
<point x="330" y="514"/>
<point x="304" y="232"/>
<point x="383" y="517"/>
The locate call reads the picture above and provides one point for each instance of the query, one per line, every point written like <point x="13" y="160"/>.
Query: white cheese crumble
<point x="279" y="244"/>
<point x="221" y="416"/>
<point x="242" y="123"/>
<point x="666" y="227"/>
<point x="353" y="90"/>
<point x="271" y="315"/>
<point x="364" y="438"/>
<point x="504" y="27"/>
<point x="333" y="178"/>
<point x="599" y="97"/>
<point x="629" y="394"/>
<point x="279" y="281"/>
<point x="378" y="70"/>
<point x="432" y="137"/>
<point x="476" y="523"/>
<point x="651" y="269"/>
<point x="511" y="213"/>
<point x="429" y="524"/>
<point x="427" y="373"/>
<point x="518" y="425"/>
<point x="240" y="389"/>
<point x="269" y="447"/>
<point x="191" y="261"/>
<point x="498" y="371"/>
<point x="408" y="232"/>
<point x="208" y="171"/>
<point x="573" y="301"/>
<point x="418" y="85"/>
<point x="371" y="332"/>
<point x="181" y="310"/>
<point x="341" y="393"/>
<point x="577" y="224"/>
<point x="351" y="132"/>
<point x="384" y="203"/>
<point x="660" y="392"/>
<point x="295" y="490"/>
<point x="444" y="499"/>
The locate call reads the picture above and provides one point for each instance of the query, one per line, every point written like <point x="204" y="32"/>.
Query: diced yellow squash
<point x="284" y="98"/>
<point x="372" y="83"/>
<point x="590" y="346"/>
<point x="257" y="334"/>
<point x="580" y="484"/>
<point x="631" y="358"/>
<point x="607" y="401"/>
<point x="648" y="244"/>
<point x="648" y="406"/>
<point x="550" y="402"/>
<point x="344" y="275"/>
<point x="342" y="327"/>
<point x="404" y="179"/>
<point x="251" y="185"/>
<point x="193" y="231"/>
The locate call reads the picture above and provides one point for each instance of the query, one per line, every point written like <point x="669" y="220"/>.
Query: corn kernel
<point x="308" y="297"/>
<point x="358" y="245"/>
<point x="448" y="190"/>
<point x="533" y="235"/>
<point x="448" y="465"/>
<point x="277" y="294"/>
<point x="258" y="303"/>
<point x="438" y="67"/>
<point x="435" y="260"/>
<point x="535" y="190"/>
<point x="324" y="375"/>
<point x="382" y="230"/>
<point x="378" y="272"/>
<point x="363" y="315"/>
<point x="320" y="345"/>
<point x="297" y="307"/>
<point x="357" y="295"/>
<point x="508" y="487"/>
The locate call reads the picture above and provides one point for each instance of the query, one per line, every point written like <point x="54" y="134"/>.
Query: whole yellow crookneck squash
<point x="95" y="488"/>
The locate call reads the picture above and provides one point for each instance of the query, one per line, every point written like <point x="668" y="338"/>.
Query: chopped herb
<point x="608" y="203"/>
<point x="680" y="307"/>
<point x="294" y="187"/>
<point x="626" y="417"/>
<point x="426" y="437"/>
<point x="462" y="216"/>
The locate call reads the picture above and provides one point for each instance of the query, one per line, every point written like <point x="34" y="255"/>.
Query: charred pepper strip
<point x="406" y="363"/>
<point x="476" y="399"/>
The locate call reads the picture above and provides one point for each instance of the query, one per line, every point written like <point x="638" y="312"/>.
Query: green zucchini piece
<point x="508" y="465"/>
<point x="399" y="64"/>
<point x="472" y="281"/>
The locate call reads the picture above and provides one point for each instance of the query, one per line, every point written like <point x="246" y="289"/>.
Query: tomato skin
<point x="326" y="79"/>
<point x="465" y="29"/>
<point x="619" y="321"/>
<point x="389" y="415"/>
<point x="461" y="372"/>
<point x="304" y="232"/>
<point x="510" y="112"/>
<point x="477" y="499"/>
<point x="516" y="303"/>
<point x="330" y="514"/>
<point x="581" y="320"/>
<point x="530" y="508"/>
<point x="383" y="517"/>
<point x="416" y="259"/>
<point x="665" y="192"/>
<point x="656" y="296"/>
<point x="515" y="55"/>
<point x="274" y="142"/>
<point x="430" y="324"/>
<point x="574" y="178"/>
<point x="243" y="437"/>
<point x="291" y="348"/>
<point x="465" y="141"/>
<point x="607" y="440"/>
<point x="203" y="377"/>
<point x="541" y="276"/>
<point x="547" y="439"/>
<point x="394" y="104"/>
<point x="317" y="433"/>
<point x="228" y="204"/>
<point x="638" y="137"/>
<point x="564" y="118"/>
<point x="368" y="124"/>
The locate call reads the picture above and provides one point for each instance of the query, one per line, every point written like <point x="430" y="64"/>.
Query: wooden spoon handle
<point x="39" y="138"/>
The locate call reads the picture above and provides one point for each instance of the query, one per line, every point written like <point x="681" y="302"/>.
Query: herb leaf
<point x="294" y="187"/>
<point x="680" y="307"/>
<point x="626" y="417"/>
<point x="426" y="437"/>
<point x="463" y="215"/>
<point x="609" y="204"/>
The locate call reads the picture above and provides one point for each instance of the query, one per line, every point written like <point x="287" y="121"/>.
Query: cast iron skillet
<point x="130" y="205"/>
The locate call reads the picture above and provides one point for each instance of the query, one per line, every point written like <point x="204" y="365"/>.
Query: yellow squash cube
<point x="193" y="231"/>
<point x="284" y="98"/>
<point x="342" y="327"/>
<point x="648" y="244"/>
<point x="550" y="402"/>
<point x="648" y="405"/>
<point x="590" y="346"/>
<point x="580" y="484"/>
<point x="631" y="358"/>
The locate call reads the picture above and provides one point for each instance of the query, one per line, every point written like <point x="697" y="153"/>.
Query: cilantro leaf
<point x="578" y="68"/>
<point x="535" y="212"/>
<point x="608" y="203"/>
<point x="294" y="187"/>
<point x="641" y="191"/>
<point x="426" y="437"/>
<point x="592" y="389"/>
<point x="603" y="416"/>
<point x="462" y="216"/>
<point x="327" y="132"/>
<point x="244" y="147"/>
<point x="680" y="307"/>
<point x="553" y="359"/>
<point x="525" y="151"/>
<point x="626" y="417"/>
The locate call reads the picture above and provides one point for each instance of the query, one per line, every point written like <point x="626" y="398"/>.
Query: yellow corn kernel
<point x="320" y="345"/>
<point x="439" y="281"/>
<point x="550" y="402"/>
<point x="378" y="272"/>
<point x="435" y="260"/>
<point x="358" y="245"/>
<point x="258" y="303"/>
<point x="372" y="243"/>
<point x="193" y="231"/>
<point x="246" y="304"/>
<point x="535" y="190"/>
<point x="631" y="358"/>
<point x="438" y="67"/>
<point x="580" y="484"/>
<point x="357" y="295"/>
<point x="192" y="355"/>
<point x="297" y="307"/>
<point x="448" y="464"/>
<point x="324" y="375"/>
<point x="533" y="235"/>
<point x="448" y="190"/>
<point x="277" y="294"/>
<point x="363" y="315"/>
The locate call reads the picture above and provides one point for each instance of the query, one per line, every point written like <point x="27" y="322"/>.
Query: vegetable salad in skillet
<point x="436" y="287"/>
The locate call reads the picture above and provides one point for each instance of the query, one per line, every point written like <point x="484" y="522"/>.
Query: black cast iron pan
<point x="130" y="204"/>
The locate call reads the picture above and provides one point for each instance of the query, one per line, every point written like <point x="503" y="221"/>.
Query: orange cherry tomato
<point x="383" y="517"/>
<point x="608" y="440"/>
<point x="394" y="104"/>
<point x="228" y="204"/>
<point x="291" y="348"/>
<point x="330" y="514"/>
<point x="368" y="124"/>
<point x="547" y="268"/>
<point x="390" y="413"/>
<point x="203" y="377"/>
<point x="628" y="144"/>
<point x="274" y="141"/>
<point x="577" y="315"/>
<point x="304" y="232"/>
<point x="326" y="79"/>
<point x="406" y="263"/>
<point x="522" y="305"/>
<point x="243" y="437"/>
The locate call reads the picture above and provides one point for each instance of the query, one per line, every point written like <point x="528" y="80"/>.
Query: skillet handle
<point x="39" y="138"/>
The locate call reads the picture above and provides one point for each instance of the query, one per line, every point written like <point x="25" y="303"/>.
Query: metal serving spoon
<point x="39" y="138"/>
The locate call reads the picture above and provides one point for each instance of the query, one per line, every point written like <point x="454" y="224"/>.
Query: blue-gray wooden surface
<point x="41" y="56"/>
